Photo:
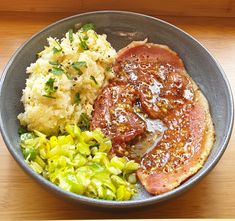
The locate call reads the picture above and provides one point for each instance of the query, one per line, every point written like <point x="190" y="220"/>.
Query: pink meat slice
<point x="166" y="92"/>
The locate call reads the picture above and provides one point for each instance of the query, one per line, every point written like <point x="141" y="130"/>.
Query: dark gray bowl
<point x="122" y="28"/>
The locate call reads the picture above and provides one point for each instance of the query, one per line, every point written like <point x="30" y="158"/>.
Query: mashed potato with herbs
<point x="65" y="80"/>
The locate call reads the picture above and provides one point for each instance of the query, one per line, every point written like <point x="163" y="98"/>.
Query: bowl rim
<point x="106" y="203"/>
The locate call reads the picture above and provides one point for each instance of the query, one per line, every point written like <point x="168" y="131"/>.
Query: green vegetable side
<point x="78" y="161"/>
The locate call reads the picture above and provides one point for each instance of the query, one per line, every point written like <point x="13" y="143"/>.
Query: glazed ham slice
<point x="152" y="78"/>
<point x="168" y="93"/>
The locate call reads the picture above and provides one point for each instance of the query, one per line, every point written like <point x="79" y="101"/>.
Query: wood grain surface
<point x="214" y="197"/>
<point x="216" y="8"/>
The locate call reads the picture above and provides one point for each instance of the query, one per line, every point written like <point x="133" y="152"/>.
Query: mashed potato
<point x="65" y="80"/>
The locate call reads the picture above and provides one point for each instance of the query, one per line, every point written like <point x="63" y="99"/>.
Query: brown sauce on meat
<point x="114" y="114"/>
<point x="161" y="94"/>
<point x="146" y="111"/>
<point x="174" y="149"/>
<point x="165" y="95"/>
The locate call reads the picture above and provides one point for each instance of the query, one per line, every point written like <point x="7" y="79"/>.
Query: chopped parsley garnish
<point x="85" y="38"/>
<point x="83" y="44"/>
<point x="57" y="49"/>
<point x="54" y="62"/>
<point x="57" y="71"/>
<point x="71" y="35"/>
<point x="84" y="122"/>
<point x="79" y="72"/>
<point x="77" y="99"/>
<point x="22" y="130"/>
<point x="78" y="64"/>
<point x="93" y="78"/>
<point x="68" y="76"/>
<point x="49" y="88"/>
<point x="48" y="96"/>
<point x="88" y="26"/>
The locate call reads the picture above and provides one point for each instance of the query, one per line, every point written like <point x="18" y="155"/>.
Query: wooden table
<point x="214" y="196"/>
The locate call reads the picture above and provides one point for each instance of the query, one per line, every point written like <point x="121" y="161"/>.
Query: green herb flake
<point x="93" y="78"/>
<point x="22" y="130"/>
<point x="70" y="35"/>
<point x="83" y="44"/>
<point x="58" y="48"/>
<point x="85" y="38"/>
<point x="84" y="122"/>
<point x="79" y="64"/>
<point x="55" y="50"/>
<point x="49" y="87"/>
<point x="57" y="71"/>
<point x="77" y="98"/>
<point x="79" y="72"/>
<point x="54" y="62"/>
<point x="87" y="27"/>
<point x="68" y="75"/>
<point x="49" y="96"/>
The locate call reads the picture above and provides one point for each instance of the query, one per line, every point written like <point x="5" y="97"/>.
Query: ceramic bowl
<point x="121" y="29"/>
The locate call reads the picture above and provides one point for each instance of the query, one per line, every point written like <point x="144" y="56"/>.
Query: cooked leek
<point x="78" y="161"/>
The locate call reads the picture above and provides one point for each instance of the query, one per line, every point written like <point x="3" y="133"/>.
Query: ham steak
<point x="151" y="80"/>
